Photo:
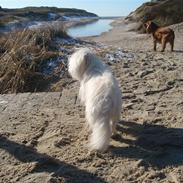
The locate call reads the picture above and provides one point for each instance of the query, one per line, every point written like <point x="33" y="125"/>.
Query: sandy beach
<point x="122" y="36"/>
<point x="43" y="138"/>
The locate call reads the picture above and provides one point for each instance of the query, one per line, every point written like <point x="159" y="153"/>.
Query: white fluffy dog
<point x="100" y="94"/>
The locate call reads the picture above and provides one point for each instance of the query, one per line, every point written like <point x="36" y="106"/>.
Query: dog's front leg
<point x="155" y="43"/>
<point x="163" y="45"/>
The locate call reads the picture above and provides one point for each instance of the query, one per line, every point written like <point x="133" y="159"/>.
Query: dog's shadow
<point x="155" y="145"/>
<point x="178" y="51"/>
<point x="48" y="164"/>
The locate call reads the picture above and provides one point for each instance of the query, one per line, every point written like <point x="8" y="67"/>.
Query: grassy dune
<point x="25" y="52"/>
<point x="22" y="55"/>
<point x="38" y="14"/>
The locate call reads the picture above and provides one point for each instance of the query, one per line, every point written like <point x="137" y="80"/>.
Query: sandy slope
<point x="43" y="137"/>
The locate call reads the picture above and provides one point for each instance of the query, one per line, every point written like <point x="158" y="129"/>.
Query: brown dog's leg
<point x="163" y="45"/>
<point x="155" y="43"/>
<point x="172" y="45"/>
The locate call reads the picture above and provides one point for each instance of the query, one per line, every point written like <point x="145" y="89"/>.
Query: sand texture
<point x="43" y="137"/>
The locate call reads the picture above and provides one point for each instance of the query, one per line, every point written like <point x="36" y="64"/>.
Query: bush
<point x="22" y="54"/>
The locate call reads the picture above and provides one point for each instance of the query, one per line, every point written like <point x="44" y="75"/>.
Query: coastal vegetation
<point x="26" y="52"/>
<point x="23" y="54"/>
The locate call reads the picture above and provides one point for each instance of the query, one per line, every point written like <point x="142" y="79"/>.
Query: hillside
<point x="164" y="12"/>
<point x="39" y="14"/>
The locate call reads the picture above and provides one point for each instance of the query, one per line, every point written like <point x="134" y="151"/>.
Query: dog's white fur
<point x="100" y="94"/>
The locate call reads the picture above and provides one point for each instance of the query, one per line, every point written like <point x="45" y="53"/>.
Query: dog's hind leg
<point x="172" y="45"/>
<point x="101" y="133"/>
<point x="171" y="41"/>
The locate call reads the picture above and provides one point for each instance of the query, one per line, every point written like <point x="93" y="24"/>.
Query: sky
<point x="100" y="7"/>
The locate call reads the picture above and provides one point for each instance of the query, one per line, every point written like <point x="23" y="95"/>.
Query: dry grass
<point x="22" y="54"/>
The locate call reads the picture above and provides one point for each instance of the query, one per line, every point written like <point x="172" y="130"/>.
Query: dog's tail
<point x="100" y="136"/>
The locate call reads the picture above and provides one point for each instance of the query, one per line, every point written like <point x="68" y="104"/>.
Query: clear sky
<point x="100" y="7"/>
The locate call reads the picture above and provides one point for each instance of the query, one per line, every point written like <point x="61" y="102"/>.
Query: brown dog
<point x="160" y="35"/>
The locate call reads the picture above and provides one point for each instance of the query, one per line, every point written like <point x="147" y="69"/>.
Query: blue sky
<point x="100" y="7"/>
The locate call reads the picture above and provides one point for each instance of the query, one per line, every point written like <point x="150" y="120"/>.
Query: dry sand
<point x="43" y="137"/>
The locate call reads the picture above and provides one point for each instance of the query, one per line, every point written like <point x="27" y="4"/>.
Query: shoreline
<point x="122" y="35"/>
<point x="74" y="23"/>
<point x="13" y="26"/>
<point x="80" y="23"/>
